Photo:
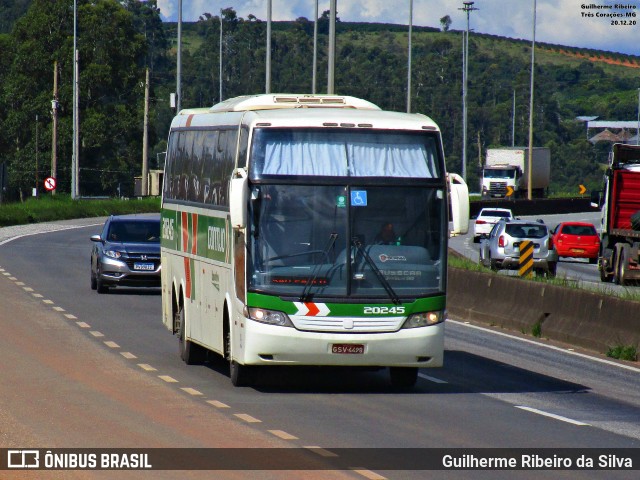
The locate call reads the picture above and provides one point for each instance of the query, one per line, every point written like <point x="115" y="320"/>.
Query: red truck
<point x="619" y="259"/>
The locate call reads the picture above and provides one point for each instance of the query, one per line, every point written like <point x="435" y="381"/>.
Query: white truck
<point x="509" y="166"/>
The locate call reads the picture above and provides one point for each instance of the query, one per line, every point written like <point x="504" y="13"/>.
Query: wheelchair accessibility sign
<point x="358" y="198"/>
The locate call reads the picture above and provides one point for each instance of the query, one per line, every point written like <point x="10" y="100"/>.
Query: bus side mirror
<point x="459" y="195"/>
<point x="239" y="192"/>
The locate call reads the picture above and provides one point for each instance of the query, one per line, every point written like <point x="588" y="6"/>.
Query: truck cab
<point x="497" y="178"/>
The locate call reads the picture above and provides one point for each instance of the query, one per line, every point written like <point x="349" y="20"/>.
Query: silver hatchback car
<point x="126" y="253"/>
<point x="501" y="250"/>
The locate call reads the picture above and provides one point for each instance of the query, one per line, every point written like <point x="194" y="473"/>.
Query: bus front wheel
<point x="403" y="377"/>
<point x="240" y="374"/>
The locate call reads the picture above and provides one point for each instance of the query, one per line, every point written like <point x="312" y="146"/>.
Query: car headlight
<point x="270" y="317"/>
<point x="423" y="319"/>
<point x="113" y="253"/>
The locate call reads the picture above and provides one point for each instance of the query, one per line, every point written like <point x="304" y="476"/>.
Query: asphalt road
<point x="494" y="391"/>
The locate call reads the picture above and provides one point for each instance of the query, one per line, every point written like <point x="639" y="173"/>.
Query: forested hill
<point x="371" y="62"/>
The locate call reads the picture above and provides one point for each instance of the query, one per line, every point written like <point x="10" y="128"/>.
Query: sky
<point x="563" y="22"/>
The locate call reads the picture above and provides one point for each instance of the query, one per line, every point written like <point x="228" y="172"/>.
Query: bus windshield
<point x="334" y="241"/>
<point x="344" y="153"/>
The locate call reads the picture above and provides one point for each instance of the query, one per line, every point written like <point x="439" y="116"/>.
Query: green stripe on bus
<point x="345" y="309"/>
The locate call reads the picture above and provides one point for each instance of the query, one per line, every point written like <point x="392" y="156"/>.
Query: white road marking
<point x="167" y="379"/>
<point x="552" y="415"/>
<point x="552" y="347"/>
<point x="28" y="289"/>
<point x="321" y="451"/>
<point x="96" y="333"/>
<point x="283" y="435"/>
<point x="247" y="418"/>
<point x="48" y="302"/>
<point x="20" y="284"/>
<point x="431" y="379"/>
<point x="217" y="404"/>
<point x="191" y="391"/>
<point x="128" y="355"/>
<point x="111" y="344"/>
<point x="70" y="316"/>
<point x="147" y="367"/>
<point x="83" y="325"/>
<point x="367" y="473"/>
<point x="37" y="295"/>
<point x="58" y="309"/>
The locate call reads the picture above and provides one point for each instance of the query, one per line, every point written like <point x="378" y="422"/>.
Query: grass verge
<point x="62" y="207"/>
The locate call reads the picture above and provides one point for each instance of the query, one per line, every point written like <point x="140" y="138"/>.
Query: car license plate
<point x="577" y="250"/>
<point x="347" y="348"/>
<point x="143" y="266"/>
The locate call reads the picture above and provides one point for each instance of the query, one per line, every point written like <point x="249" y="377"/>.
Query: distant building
<point x="611" y="130"/>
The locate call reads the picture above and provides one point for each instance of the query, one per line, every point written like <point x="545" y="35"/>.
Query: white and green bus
<point x="308" y="230"/>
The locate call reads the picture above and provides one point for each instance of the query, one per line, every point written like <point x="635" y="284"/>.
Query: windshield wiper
<point x="392" y="294"/>
<point x="312" y="278"/>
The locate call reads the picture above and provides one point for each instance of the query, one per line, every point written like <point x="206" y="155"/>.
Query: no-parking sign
<point x="49" y="184"/>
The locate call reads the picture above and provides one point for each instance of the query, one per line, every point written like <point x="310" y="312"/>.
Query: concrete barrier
<point x="537" y="206"/>
<point x="577" y="317"/>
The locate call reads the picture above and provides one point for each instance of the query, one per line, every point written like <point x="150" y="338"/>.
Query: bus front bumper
<point x="274" y="345"/>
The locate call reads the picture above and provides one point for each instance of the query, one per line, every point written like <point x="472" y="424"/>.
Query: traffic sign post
<point x="49" y="184"/>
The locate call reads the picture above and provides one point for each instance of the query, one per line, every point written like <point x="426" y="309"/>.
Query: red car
<point x="577" y="240"/>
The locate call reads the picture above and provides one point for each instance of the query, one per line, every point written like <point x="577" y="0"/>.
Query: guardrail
<point x="578" y="317"/>
<point x="537" y="206"/>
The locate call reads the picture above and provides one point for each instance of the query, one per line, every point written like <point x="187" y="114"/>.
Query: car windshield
<point x="583" y="230"/>
<point x="495" y="213"/>
<point x="526" y="230"/>
<point x="337" y="241"/>
<point x="132" y="231"/>
<point x="499" y="173"/>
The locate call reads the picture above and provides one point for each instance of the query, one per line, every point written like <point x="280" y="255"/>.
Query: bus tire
<point x="190" y="353"/>
<point x="403" y="377"/>
<point x="240" y="374"/>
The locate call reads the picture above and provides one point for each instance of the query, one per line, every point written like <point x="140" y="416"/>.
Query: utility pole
<point x="179" y="60"/>
<point x="315" y="51"/>
<point x="220" y="55"/>
<point x="513" y="121"/>
<point x="145" y="139"/>
<point x="332" y="46"/>
<point x="468" y="8"/>
<point x="530" y="160"/>
<point x="35" y="190"/>
<point x="76" y="143"/>
<point x="409" y="57"/>
<point x="267" y="86"/>
<point x="54" y="127"/>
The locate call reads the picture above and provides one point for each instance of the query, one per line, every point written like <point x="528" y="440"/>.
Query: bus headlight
<point x="423" y="319"/>
<point x="270" y="317"/>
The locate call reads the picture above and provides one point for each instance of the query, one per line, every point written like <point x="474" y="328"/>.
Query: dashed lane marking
<point x="28" y="289"/>
<point x="367" y="473"/>
<point x="217" y="404"/>
<point x="83" y="325"/>
<point x="431" y="379"/>
<point x="58" y="309"/>
<point x="552" y="415"/>
<point x="111" y="344"/>
<point x="96" y="333"/>
<point x="20" y="284"/>
<point x="167" y="379"/>
<point x="321" y="451"/>
<point x="147" y="367"/>
<point x="191" y="391"/>
<point x="128" y="355"/>
<point x="48" y="302"/>
<point x="37" y="295"/>
<point x="283" y="435"/>
<point x="70" y="316"/>
<point x="247" y="418"/>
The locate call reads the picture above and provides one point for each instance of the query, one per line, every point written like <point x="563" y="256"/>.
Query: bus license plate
<point x="143" y="266"/>
<point x="347" y="348"/>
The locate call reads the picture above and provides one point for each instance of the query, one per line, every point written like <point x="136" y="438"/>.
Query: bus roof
<point x="291" y="111"/>
<point x="287" y="100"/>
